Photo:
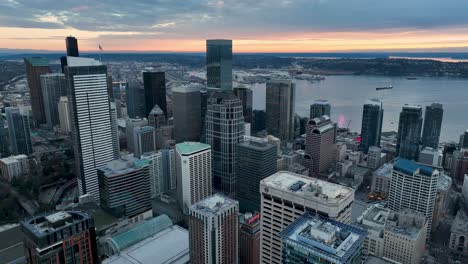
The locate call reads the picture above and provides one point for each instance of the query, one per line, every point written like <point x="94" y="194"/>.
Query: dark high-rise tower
<point x="464" y="140"/>
<point x="409" y="132"/>
<point x="249" y="239"/>
<point x="135" y="96"/>
<point x="35" y="67"/>
<point x="372" y="116"/>
<point x="19" y="131"/>
<point x="320" y="108"/>
<point x="246" y="96"/>
<point x="432" y="125"/>
<point x="72" y="46"/>
<point x="53" y="87"/>
<point x="255" y="161"/>
<point x="155" y="91"/>
<point x="187" y="113"/>
<point x="219" y="64"/>
<point x="280" y="99"/>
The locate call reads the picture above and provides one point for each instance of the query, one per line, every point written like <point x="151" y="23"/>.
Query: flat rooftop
<point x="444" y="182"/>
<point x="385" y="170"/>
<point x="321" y="102"/>
<point x="45" y="224"/>
<point x="213" y="204"/>
<point x="187" y="148"/>
<point x="301" y="185"/>
<point x="411" y="167"/>
<point x="125" y="164"/>
<point x="334" y="241"/>
<point x="376" y="215"/>
<point x="170" y="245"/>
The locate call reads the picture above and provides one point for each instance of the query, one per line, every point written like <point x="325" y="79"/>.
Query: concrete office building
<point x="409" y="132"/>
<point x="213" y="231"/>
<point x="286" y="196"/>
<point x="155" y="91"/>
<point x="280" y="107"/>
<point x="374" y="156"/>
<point x="372" y="119"/>
<point x="459" y="165"/>
<point x="193" y="168"/>
<point x="405" y="237"/>
<point x="19" y="131"/>
<point x="115" y="130"/>
<point x="312" y="239"/>
<point x="53" y="86"/>
<point x="135" y="100"/>
<point x="156" y="117"/>
<point x="13" y="167"/>
<point x="432" y="125"/>
<point x="256" y="160"/>
<point x="249" y="239"/>
<point x="373" y="220"/>
<point x="320" y="145"/>
<point x="413" y="186"/>
<point x="162" y="171"/>
<point x="130" y="125"/>
<point x="125" y="187"/>
<point x="187" y="113"/>
<point x="219" y="64"/>
<point x="458" y="242"/>
<point x="381" y="180"/>
<point x="91" y="120"/>
<point x="61" y="237"/>
<point x="64" y="115"/>
<point x="246" y="96"/>
<point x="35" y="67"/>
<point x="145" y="140"/>
<point x="224" y="129"/>
<point x="320" y="108"/>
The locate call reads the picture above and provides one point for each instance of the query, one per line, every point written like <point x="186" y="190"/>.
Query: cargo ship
<point x="384" y="88"/>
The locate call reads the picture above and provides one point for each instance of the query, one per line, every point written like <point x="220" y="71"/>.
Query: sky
<point x="254" y="25"/>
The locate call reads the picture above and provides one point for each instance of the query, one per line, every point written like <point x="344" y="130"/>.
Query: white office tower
<point x="91" y="120"/>
<point x="115" y="130"/>
<point x="162" y="171"/>
<point x="214" y="231"/>
<point x="413" y="186"/>
<point x="285" y="196"/>
<point x="64" y="115"/>
<point x="193" y="168"/>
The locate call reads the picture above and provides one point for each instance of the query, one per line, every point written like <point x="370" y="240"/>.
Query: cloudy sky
<point x="254" y="25"/>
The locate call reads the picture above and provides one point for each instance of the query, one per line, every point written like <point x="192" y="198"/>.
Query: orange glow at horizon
<point x="53" y="39"/>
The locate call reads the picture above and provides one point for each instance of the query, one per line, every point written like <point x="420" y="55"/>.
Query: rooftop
<point x="331" y="240"/>
<point x="460" y="224"/>
<point x="385" y="170"/>
<point x="13" y="159"/>
<point x="213" y="204"/>
<point x="219" y="41"/>
<point x="444" y="182"/>
<point x="258" y="145"/>
<point x="170" y="245"/>
<point x="187" y="148"/>
<point x="374" y="101"/>
<point x="412" y="107"/>
<point x="188" y="88"/>
<point x="312" y="188"/>
<point x="374" y="216"/>
<point x="47" y="223"/>
<point x="406" y="222"/>
<point x="123" y="165"/>
<point x="81" y="61"/>
<point x="38" y="61"/>
<point x="321" y="102"/>
<point x="411" y="167"/>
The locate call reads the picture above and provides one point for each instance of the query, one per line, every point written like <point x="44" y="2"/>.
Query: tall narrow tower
<point x="372" y="116"/>
<point x="409" y="132"/>
<point x="219" y="64"/>
<point x="432" y="125"/>
<point x="35" y="67"/>
<point x="280" y="101"/>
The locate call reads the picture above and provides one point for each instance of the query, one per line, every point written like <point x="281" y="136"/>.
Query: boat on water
<point x="411" y="78"/>
<point x="384" y="88"/>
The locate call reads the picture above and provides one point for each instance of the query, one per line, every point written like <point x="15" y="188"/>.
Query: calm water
<point x="347" y="94"/>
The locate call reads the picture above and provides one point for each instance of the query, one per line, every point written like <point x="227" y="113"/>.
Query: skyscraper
<point x="464" y="140"/>
<point x="432" y="125"/>
<point x="372" y="117"/>
<point x="145" y="140"/>
<point x="155" y="91"/>
<point x="91" y="120"/>
<point x="320" y="141"/>
<point x="249" y="239"/>
<point x="213" y="231"/>
<point x="413" y="186"/>
<point x="255" y="161"/>
<point x="130" y="124"/>
<point x="125" y="188"/>
<point x="35" y="67"/>
<point x="320" y="108"/>
<point x="61" y="237"/>
<point x="280" y="101"/>
<point x="72" y="46"/>
<point x="115" y="130"/>
<point x="246" y="96"/>
<point x="187" y="113"/>
<point x="64" y="115"/>
<point x="19" y="131"/>
<point x="156" y="118"/>
<point x="135" y="97"/>
<point x="409" y="132"/>
<point x="224" y="129"/>
<point x="219" y="64"/>
<point x="162" y="171"/>
<point x="286" y="196"/>
<point x="53" y="87"/>
<point x="193" y="168"/>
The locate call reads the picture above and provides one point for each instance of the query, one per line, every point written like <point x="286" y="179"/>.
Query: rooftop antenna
<point x="100" y="52"/>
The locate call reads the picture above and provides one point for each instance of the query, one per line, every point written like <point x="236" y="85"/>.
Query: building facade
<point x="162" y="171"/>
<point x="320" y="108"/>
<point x="64" y="115"/>
<point x="145" y="140"/>
<point x="61" y="237"/>
<point x="374" y="159"/>
<point x="224" y="129"/>
<point x="409" y="132"/>
<point x="458" y="242"/>
<point x="193" y="169"/>
<point x="19" y="131"/>
<point x="35" y="67"/>
<point x="135" y="100"/>
<point x="432" y="125"/>
<point x="53" y="87"/>
<point x="246" y="96"/>
<point x="249" y="239"/>
<point x="280" y="107"/>
<point x="13" y="167"/>
<point x="219" y="64"/>
<point x="286" y="196"/>
<point x="372" y="118"/>
<point x="213" y="231"/>
<point x="187" y="113"/>
<point x="320" y="145"/>
<point x="155" y="91"/>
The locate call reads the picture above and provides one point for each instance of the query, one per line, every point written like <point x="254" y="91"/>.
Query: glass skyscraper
<point x="372" y="116"/>
<point x="432" y="125"/>
<point x="35" y="67"/>
<point x="280" y="99"/>
<point x="19" y="131"/>
<point x="320" y="108"/>
<point x="53" y="87"/>
<point x="219" y="64"/>
<point x="409" y="132"/>
<point x="155" y="91"/>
